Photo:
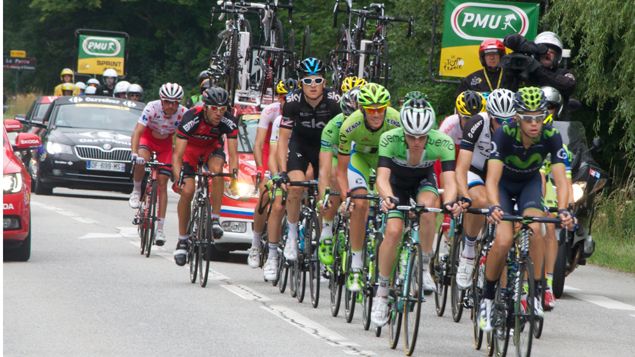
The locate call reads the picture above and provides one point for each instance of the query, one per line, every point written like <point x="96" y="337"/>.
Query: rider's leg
<point x="496" y="257"/>
<point x="551" y="252"/>
<point x="215" y="165"/>
<point x="294" y="200"/>
<point x="357" y="174"/>
<point x="183" y="207"/>
<point x="474" y="223"/>
<point x="260" y="218"/>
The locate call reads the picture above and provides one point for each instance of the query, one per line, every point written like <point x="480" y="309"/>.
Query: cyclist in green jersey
<point x="328" y="164"/>
<point x="364" y="128"/>
<point x="406" y="170"/>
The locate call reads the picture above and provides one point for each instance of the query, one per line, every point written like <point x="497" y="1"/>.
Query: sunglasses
<point x="375" y="110"/>
<point x="310" y="81"/>
<point x="217" y="108"/>
<point x="532" y="118"/>
<point x="502" y="121"/>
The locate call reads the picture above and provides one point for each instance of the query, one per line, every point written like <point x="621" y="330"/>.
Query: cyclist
<point x="364" y="127"/>
<point x="67" y="89"/>
<point x="200" y="136"/>
<point x="135" y="92"/>
<point x="109" y="78"/>
<point x="329" y="145"/>
<point x="121" y="89"/>
<point x="518" y="152"/>
<point x="492" y="75"/>
<point x="304" y="116"/>
<point x="154" y="132"/>
<point x="351" y="82"/>
<point x="471" y="168"/>
<point x="196" y="99"/>
<point x="261" y="155"/>
<point x="81" y="87"/>
<point x="66" y="76"/>
<point x="406" y="159"/>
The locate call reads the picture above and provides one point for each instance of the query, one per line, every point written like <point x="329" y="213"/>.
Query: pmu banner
<point x="95" y="53"/>
<point x="467" y="23"/>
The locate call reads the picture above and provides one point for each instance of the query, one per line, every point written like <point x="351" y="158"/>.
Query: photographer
<point x="492" y="76"/>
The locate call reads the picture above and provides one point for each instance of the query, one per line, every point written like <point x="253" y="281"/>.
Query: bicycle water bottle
<point x="301" y="237"/>
<point x="403" y="263"/>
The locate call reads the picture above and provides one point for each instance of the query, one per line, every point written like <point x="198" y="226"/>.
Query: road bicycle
<point x="146" y="216"/>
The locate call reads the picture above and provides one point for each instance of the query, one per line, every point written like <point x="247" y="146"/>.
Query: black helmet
<point x="291" y="84"/>
<point x="202" y="76"/>
<point x="205" y="83"/>
<point x="215" y="96"/>
<point x="310" y="66"/>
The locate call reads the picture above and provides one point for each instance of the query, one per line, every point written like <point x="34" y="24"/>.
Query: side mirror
<point x="27" y="141"/>
<point x="12" y="125"/>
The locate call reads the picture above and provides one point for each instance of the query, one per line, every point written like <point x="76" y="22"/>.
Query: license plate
<point x="106" y="166"/>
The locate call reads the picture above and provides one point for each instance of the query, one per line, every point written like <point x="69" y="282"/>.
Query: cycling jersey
<point x="198" y="132"/>
<point x="451" y="126"/>
<point x="154" y="117"/>
<point x="520" y="162"/>
<point x="275" y="130"/>
<point x="550" y="199"/>
<point x="331" y="134"/>
<point x="267" y="117"/>
<point x="307" y="122"/>
<point x="477" y="138"/>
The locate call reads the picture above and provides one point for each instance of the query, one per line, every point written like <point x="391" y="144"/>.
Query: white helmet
<point x="93" y="81"/>
<point x="549" y="38"/>
<point x="80" y="85"/>
<point x="500" y="103"/>
<point x="135" y="89"/>
<point x="121" y="87"/>
<point x="171" y="91"/>
<point x="417" y="117"/>
<point x="109" y="73"/>
<point x="90" y="90"/>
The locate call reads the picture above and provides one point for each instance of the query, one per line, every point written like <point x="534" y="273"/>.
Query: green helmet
<point x="530" y="99"/>
<point x="373" y="93"/>
<point x="415" y="94"/>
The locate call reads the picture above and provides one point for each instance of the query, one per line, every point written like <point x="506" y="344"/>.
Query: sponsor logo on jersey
<point x="190" y="124"/>
<point x="352" y="127"/>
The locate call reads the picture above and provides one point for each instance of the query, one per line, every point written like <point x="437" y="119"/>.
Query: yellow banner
<point x="459" y="61"/>
<point x="98" y="65"/>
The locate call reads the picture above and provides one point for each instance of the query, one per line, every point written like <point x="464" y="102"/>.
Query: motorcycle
<point x="575" y="247"/>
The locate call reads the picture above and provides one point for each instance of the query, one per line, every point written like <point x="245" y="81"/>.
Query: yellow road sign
<point x="17" y="53"/>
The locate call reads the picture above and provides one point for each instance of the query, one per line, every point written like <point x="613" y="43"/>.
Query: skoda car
<point x="85" y="144"/>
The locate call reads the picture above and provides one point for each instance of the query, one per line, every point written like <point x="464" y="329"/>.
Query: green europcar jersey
<point x="331" y="134"/>
<point x="354" y="130"/>
<point x="393" y="154"/>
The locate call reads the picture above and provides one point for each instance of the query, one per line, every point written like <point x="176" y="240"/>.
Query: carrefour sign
<point x="468" y="23"/>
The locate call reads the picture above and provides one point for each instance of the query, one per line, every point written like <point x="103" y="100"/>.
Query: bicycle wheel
<point x="438" y="269"/>
<point x="395" y="313"/>
<point x="312" y="242"/>
<point x="192" y="253"/>
<point x="142" y="228"/>
<point x="539" y="322"/>
<point x="336" y="279"/>
<point x="232" y="66"/>
<point x="502" y="314"/>
<point x="300" y="280"/>
<point x="524" y="316"/>
<point x="349" y="297"/>
<point x="152" y="218"/>
<point x="476" y="292"/>
<point x="412" y="306"/>
<point x="456" y="295"/>
<point x="368" y="256"/>
<point x="206" y="243"/>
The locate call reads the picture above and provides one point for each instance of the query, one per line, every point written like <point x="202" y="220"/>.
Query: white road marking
<point x="604" y="302"/>
<point x="245" y="293"/>
<point x="66" y="213"/>
<point x="100" y="235"/>
<point x="570" y="288"/>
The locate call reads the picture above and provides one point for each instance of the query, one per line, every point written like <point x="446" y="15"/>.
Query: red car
<point x="16" y="207"/>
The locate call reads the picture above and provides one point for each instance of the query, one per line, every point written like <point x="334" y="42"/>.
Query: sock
<point x="160" y="222"/>
<point x="137" y="186"/>
<point x="382" y="289"/>
<point x="214" y="216"/>
<point x="327" y="229"/>
<point x="549" y="281"/>
<point x="293" y="233"/>
<point x="273" y="251"/>
<point x="357" y="262"/>
<point x="183" y="237"/>
<point x="425" y="262"/>
<point x="468" y="249"/>
<point x="490" y="289"/>
<point x="255" y="240"/>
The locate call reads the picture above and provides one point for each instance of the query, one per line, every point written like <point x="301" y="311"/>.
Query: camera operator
<point x="492" y="76"/>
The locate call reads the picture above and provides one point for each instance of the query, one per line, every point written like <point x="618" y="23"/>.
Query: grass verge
<point x="19" y="104"/>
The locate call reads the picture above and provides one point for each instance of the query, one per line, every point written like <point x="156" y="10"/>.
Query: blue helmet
<point x="310" y="66"/>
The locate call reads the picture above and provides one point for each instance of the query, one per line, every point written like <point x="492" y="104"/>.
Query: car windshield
<point x="40" y="110"/>
<point x="247" y="135"/>
<point x="96" y="116"/>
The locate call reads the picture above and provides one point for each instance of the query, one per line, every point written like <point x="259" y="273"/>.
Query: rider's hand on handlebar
<point x="388" y="203"/>
<point x="453" y="207"/>
<point x="567" y="218"/>
<point x="139" y="160"/>
<point x="495" y="215"/>
<point x="465" y="202"/>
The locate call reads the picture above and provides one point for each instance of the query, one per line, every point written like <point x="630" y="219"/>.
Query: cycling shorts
<point x="194" y="153"/>
<point x="358" y="172"/>
<point x="300" y="156"/>
<point x="474" y="179"/>
<point x="405" y="189"/>
<point x="163" y="148"/>
<point x="528" y="194"/>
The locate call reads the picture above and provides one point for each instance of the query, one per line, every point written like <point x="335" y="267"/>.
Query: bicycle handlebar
<point x="309" y="184"/>
<point x="419" y="209"/>
<point x="368" y="196"/>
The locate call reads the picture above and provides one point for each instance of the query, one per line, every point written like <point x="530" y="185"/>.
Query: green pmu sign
<point x="468" y="23"/>
<point x="100" y="50"/>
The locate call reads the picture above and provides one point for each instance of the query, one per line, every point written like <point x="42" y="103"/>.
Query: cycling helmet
<point x="206" y="83"/>
<point x="470" y="103"/>
<point x="80" y="85"/>
<point x="65" y="72"/>
<point x="291" y="84"/>
<point x="351" y="82"/>
<point x="310" y="66"/>
<point x="552" y="41"/>
<point x="215" y="96"/>
<point x="202" y="76"/>
<point x="281" y="88"/>
<point x="554" y="98"/>
<point x="500" y="104"/>
<point x="417" y="117"/>
<point x="93" y="81"/>
<point x="348" y="101"/>
<point x="121" y="87"/>
<point x="68" y="87"/>
<point x="171" y="91"/>
<point x="109" y="73"/>
<point x="491" y="45"/>
<point x="415" y="94"/>
<point x="90" y="90"/>
<point x="135" y="89"/>
<point x="530" y="99"/>
<point x="373" y="93"/>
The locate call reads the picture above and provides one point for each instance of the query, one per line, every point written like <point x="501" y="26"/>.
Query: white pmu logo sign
<point x="478" y="21"/>
<point x="101" y="46"/>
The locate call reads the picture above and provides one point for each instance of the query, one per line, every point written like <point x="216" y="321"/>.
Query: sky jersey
<point x="154" y="117"/>
<point x="331" y="134"/>
<point x="477" y="138"/>
<point x="198" y="132"/>
<point x="520" y="163"/>
<point x="307" y="122"/>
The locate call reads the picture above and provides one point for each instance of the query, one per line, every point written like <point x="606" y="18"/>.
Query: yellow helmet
<point x="67" y="71"/>
<point x="548" y="119"/>
<point x="281" y="88"/>
<point x="351" y="82"/>
<point x="470" y="103"/>
<point x="68" y="86"/>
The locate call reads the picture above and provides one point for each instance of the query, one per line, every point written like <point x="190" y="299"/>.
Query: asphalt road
<point x="87" y="292"/>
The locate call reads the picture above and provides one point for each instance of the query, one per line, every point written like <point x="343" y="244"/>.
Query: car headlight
<point x="12" y="183"/>
<point x="578" y="191"/>
<point x="57" y="148"/>
<point x="245" y="190"/>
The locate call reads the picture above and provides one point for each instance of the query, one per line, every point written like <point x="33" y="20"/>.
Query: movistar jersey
<point x="355" y="130"/>
<point x="519" y="162"/>
<point x="394" y="154"/>
<point x="331" y="134"/>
